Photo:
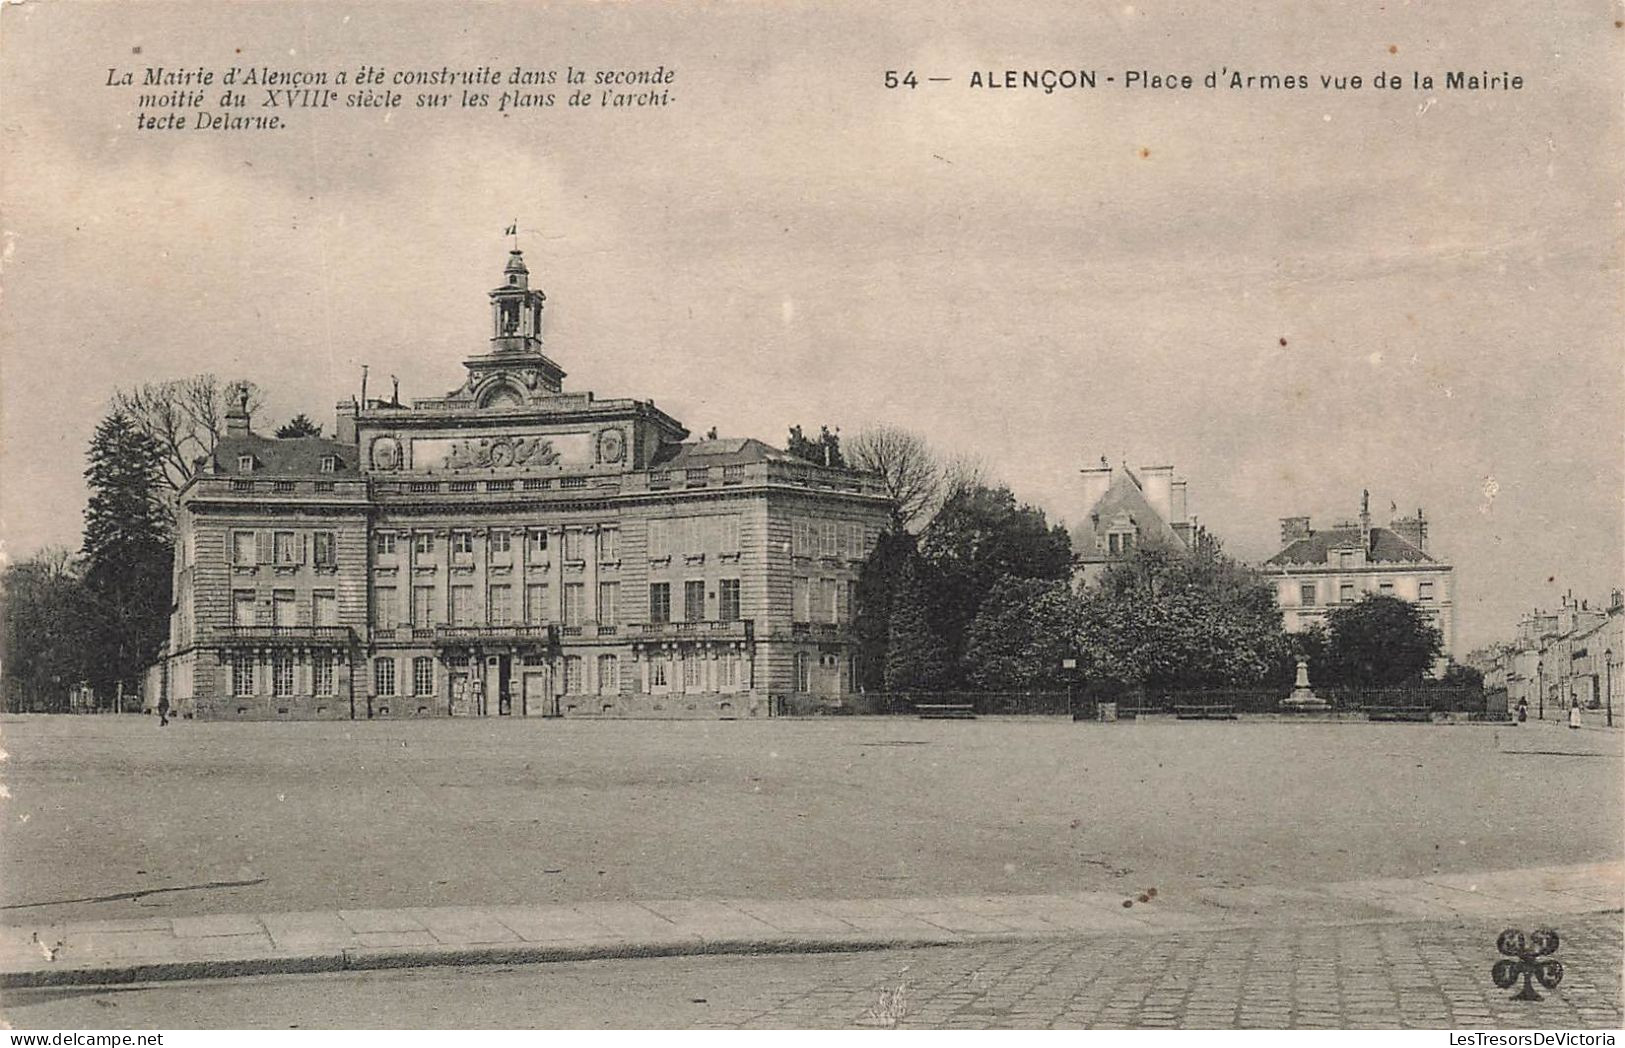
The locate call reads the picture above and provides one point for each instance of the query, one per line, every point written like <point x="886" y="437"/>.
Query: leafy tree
<point x="909" y="471"/>
<point x="127" y="552"/>
<point x="1181" y="619"/>
<point x="1461" y="675"/>
<point x="1022" y="631"/>
<point x="914" y="653"/>
<point x="825" y="449"/>
<point x="298" y="426"/>
<point x="878" y="583"/>
<point x="978" y="537"/>
<point x="1379" y="641"/>
<point x="43" y="631"/>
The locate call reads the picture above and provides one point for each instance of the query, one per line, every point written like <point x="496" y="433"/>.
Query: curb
<point x="383" y="958"/>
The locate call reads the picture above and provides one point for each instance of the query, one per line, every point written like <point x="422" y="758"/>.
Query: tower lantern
<point x="516" y="310"/>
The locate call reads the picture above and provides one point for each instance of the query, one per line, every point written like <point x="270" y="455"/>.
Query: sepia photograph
<point x="794" y="515"/>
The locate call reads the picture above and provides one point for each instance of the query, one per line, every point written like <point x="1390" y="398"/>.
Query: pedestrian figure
<point x="1574" y="715"/>
<point x="1523" y="710"/>
<point x="163" y="712"/>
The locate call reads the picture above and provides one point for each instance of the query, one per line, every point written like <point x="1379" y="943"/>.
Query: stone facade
<point x="512" y="549"/>
<point x="1316" y="571"/>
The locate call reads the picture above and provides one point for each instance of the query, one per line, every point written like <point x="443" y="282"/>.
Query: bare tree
<point x="185" y="417"/>
<point x="908" y="468"/>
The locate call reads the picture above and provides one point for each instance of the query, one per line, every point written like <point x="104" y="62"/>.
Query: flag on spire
<point x="512" y="231"/>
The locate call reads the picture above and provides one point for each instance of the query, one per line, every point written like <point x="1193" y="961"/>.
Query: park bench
<point x="1205" y="712"/>
<point x="945" y="711"/>
<point x="1398" y="713"/>
<point x="1133" y="712"/>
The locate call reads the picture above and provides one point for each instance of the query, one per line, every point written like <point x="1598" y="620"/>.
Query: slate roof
<point x="1123" y="497"/>
<point x="1316" y="548"/>
<point x="729" y="451"/>
<point x="294" y="456"/>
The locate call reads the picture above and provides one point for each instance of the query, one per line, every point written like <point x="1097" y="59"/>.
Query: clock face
<point x="501" y="453"/>
<point x="611" y="445"/>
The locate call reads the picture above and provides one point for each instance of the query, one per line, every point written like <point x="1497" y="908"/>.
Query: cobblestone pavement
<point x="1422" y="975"/>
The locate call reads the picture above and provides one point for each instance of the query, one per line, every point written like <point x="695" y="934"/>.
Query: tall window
<point x="801" y="600"/>
<point x="244" y="548"/>
<point x="321" y="674"/>
<point x="538" y="546"/>
<point x="659" y="602"/>
<point x="282" y="609"/>
<point x="573" y="683"/>
<point x="609" y="675"/>
<point x="728" y="534"/>
<point x="323" y="551"/>
<point x="423" y="606"/>
<point x="1306" y="594"/>
<point x="423" y="545"/>
<point x="284" y="547"/>
<point x="462" y="605"/>
<point x="803" y="538"/>
<point x="728" y="600"/>
<point x="383" y="543"/>
<point x="694" y="600"/>
<point x="423" y="675"/>
<point x="803" y="668"/>
<point x="854" y="538"/>
<point x="1424" y="591"/>
<point x="609" y="545"/>
<point x="536" y="603"/>
<point x="609" y="603"/>
<point x="282" y="674"/>
<point x="242" y="608"/>
<point x="462" y="545"/>
<point x="501" y="605"/>
<point x="385" y="613"/>
<point x="575" y="545"/>
<point x="659" y="672"/>
<point x="383" y="676"/>
<point x="573" y="593"/>
<point x="501" y="544"/>
<point x="828" y="538"/>
<point x="827" y="597"/>
<point x="324" y="608"/>
<point x="242" y="674"/>
<point x="728" y="669"/>
<point x="693" y="671"/>
<point x="1345" y="592"/>
<point x="660" y="538"/>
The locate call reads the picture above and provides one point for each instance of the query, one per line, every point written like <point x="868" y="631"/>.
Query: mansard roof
<point x="286" y="456"/>
<point x="730" y="451"/>
<point x="1316" y="548"/>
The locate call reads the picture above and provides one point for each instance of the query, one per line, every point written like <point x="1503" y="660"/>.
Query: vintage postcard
<point x="786" y="515"/>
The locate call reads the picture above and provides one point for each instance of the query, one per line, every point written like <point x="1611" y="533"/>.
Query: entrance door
<point x="504" y="685"/>
<point x="538" y="693"/>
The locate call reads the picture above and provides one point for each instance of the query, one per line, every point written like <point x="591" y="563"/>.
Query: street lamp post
<point x="1540" y="687"/>
<point x="1608" y="688"/>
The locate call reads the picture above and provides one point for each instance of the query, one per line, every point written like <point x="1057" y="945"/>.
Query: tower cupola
<point x="516" y="310"/>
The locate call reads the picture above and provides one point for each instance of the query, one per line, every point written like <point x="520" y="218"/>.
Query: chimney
<point x="1157" y="482"/>
<point x="1365" y="520"/>
<point x="1096" y="479"/>
<point x="1179" y="503"/>
<point x="1412" y="529"/>
<point x="237" y="417"/>
<point x="344" y="413"/>
<point x="1293" y="529"/>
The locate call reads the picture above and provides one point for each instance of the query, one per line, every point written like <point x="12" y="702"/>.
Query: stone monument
<point x="1303" y="697"/>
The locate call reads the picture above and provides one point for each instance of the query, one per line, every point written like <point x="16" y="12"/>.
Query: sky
<point x="1290" y="296"/>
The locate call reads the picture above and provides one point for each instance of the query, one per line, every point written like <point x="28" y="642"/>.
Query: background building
<point x="1317" y="571"/>
<point x="512" y="549"/>
<point x="1560" y="658"/>
<point x="1124" y="510"/>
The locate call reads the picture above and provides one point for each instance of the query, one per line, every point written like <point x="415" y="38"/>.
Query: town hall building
<point x="512" y="549"/>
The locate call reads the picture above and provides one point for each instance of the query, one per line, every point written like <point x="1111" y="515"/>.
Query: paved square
<point x="111" y="818"/>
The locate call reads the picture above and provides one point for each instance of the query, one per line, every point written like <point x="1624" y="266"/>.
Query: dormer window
<point x="513" y="278"/>
<point x="245" y="463"/>
<point x="330" y="463"/>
